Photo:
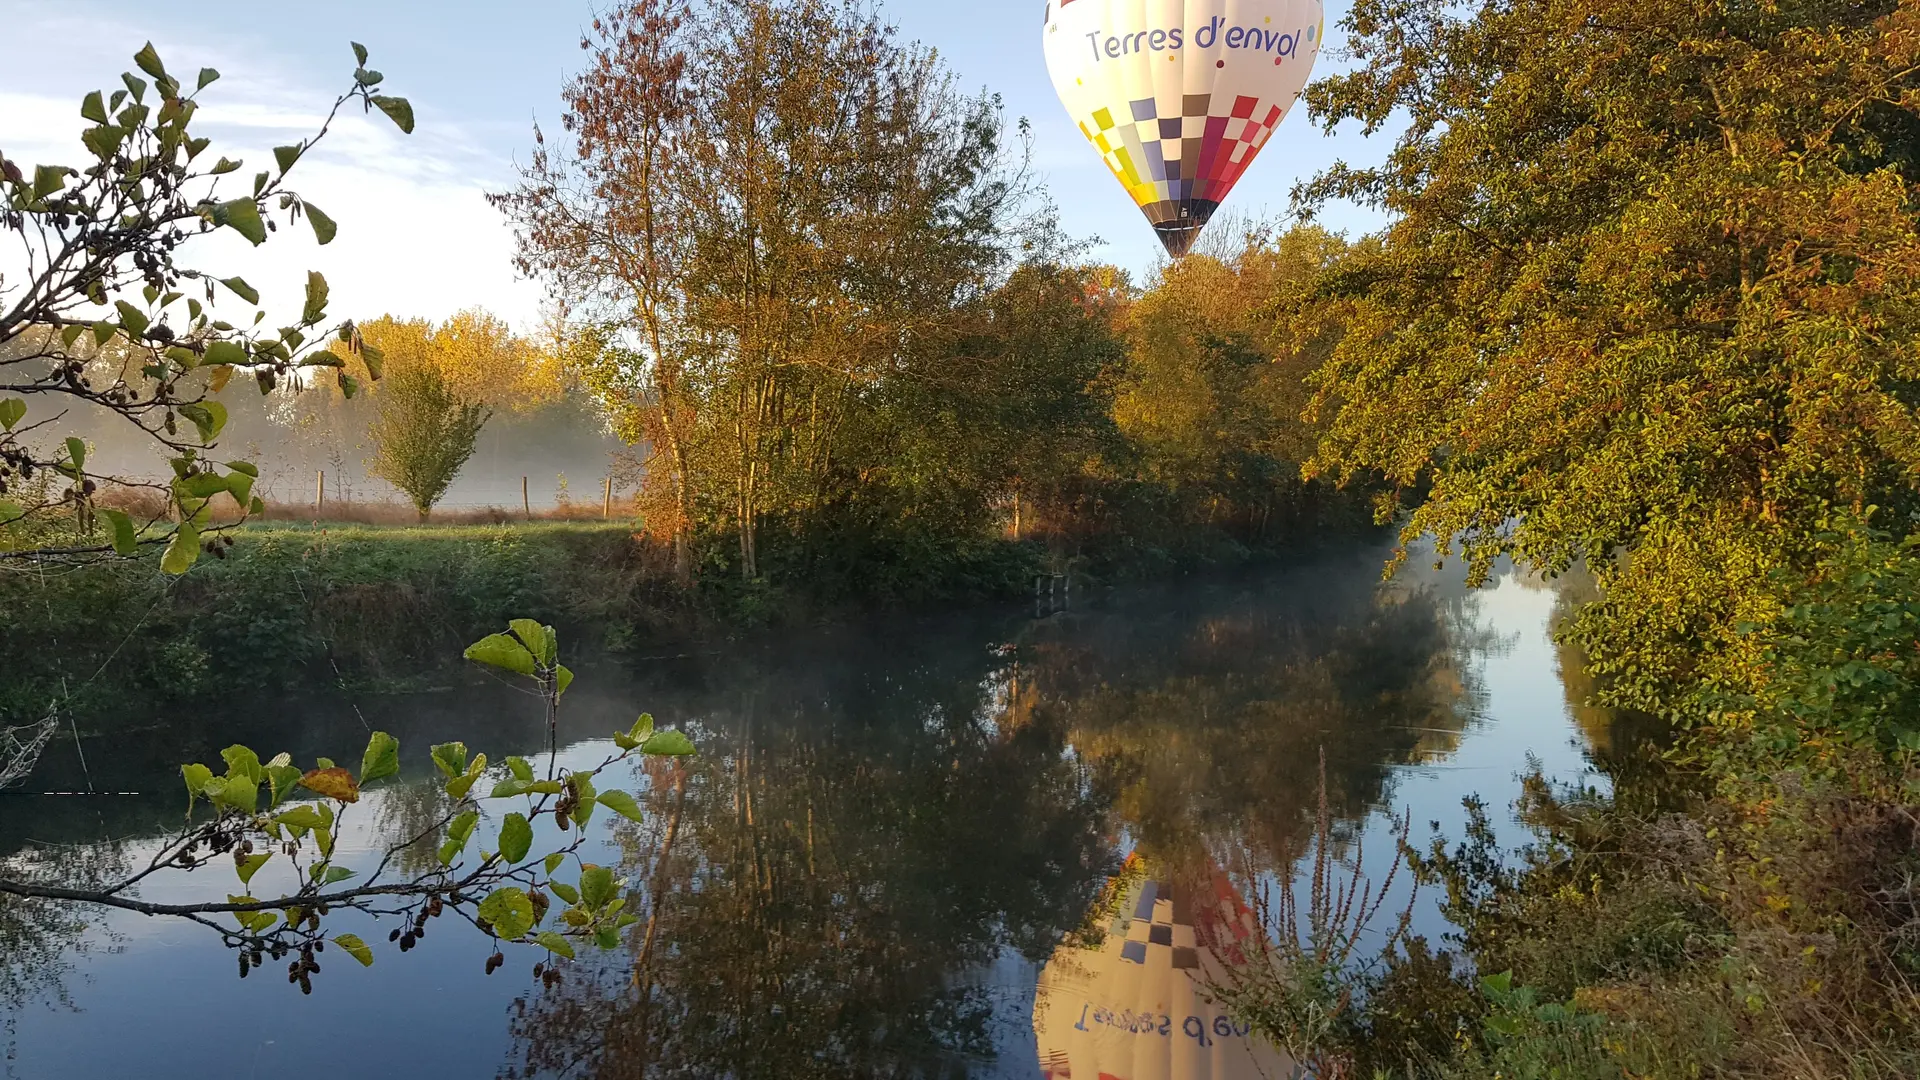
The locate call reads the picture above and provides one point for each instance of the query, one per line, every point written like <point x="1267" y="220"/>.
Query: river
<point x="873" y="861"/>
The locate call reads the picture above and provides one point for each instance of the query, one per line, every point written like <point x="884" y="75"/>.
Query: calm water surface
<point x="886" y="837"/>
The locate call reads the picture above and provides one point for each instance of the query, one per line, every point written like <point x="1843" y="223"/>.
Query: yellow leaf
<point x="335" y="783"/>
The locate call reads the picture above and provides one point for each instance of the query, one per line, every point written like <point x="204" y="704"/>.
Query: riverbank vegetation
<point x="916" y="392"/>
<point x="1646" y="305"/>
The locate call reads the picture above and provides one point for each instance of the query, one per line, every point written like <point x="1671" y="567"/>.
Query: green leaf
<point x="501" y="651"/>
<point x="131" y="317"/>
<point x="224" y="352"/>
<point x="451" y="757"/>
<point x="458" y="832"/>
<point x="76" y="451"/>
<point x="196" y="777"/>
<point x="125" y="538"/>
<point x="359" y="53"/>
<point x="337" y="874"/>
<point x="245" y="468"/>
<point x="324" y="227"/>
<point x="207" y="76"/>
<point x="283" y="779"/>
<point x="200" y="486"/>
<point x="397" y="110"/>
<point x="134" y="83"/>
<point x="355" y="948"/>
<point x="182" y="551"/>
<point x="539" y="640"/>
<point x="241" y="793"/>
<point x="555" y="944"/>
<point x="285" y="156"/>
<point x="149" y="61"/>
<point x="316" y="308"/>
<point x="209" y="418"/>
<point x="620" y="803"/>
<point x="251" y="865"/>
<point x="240" y="486"/>
<point x="374" y="359"/>
<point x="516" y="836"/>
<point x="509" y="910"/>
<point x="460" y="785"/>
<point x="597" y="886"/>
<point x="562" y="678"/>
<point x="554" y="860"/>
<point x="520" y="768"/>
<point x="303" y="816"/>
<point x="223" y="167"/>
<point x="183" y="356"/>
<point x="241" y="289"/>
<point x="11" y="410"/>
<point x="381" y="760"/>
<point x="546" y="787"/>
<point x="583" y="794"/>
<point x="667" y="744"/>
<point x="94" y="108"/>
<point x="507" y="789"/>
<point x="103" y="141"/>
<point x="242" y="761"/>
<point x="244" y="216"/>
<point x="564" y="891"/>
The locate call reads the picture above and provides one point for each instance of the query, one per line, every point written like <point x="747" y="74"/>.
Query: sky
<point x="417" y="237"/>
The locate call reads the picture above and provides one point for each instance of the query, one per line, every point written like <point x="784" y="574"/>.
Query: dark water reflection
<point x="887" y="834"/>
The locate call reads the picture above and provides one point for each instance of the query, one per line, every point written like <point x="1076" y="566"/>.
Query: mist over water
<point x="887" y="834"/>
<point x="562" y="449"/>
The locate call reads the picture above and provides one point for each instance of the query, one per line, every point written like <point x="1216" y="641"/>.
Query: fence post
<point x="606" y="504"/>
<point x="526" y="505"/>
<point x="320" y="494"/>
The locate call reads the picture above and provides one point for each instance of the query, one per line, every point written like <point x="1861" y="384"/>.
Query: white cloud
<point x="416" y="237"/>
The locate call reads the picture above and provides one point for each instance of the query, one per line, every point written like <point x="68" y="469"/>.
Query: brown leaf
<point x="335" y="783"/>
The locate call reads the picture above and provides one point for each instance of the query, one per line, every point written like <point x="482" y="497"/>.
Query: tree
<point x="263" y="810"/>
<point x="476" y="354"/>
<point x="1648" y="300"/>
<point x="1214" y="387"/>
<point x="424" y="433"/>
<point x="103" y="248"/>
<point x="756" y="268"/>
<point x="603" y="227"/>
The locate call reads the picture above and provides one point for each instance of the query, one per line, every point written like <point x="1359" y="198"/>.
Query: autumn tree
<point x="1648" y="300"/>
<point x="756" y="267"/>
<point x="1215" y="386"/>
<point x="423" y="433"/>
<point x="602" y="224"/>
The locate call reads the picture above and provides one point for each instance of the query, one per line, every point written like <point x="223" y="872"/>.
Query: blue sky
<point x="416" y="235"/>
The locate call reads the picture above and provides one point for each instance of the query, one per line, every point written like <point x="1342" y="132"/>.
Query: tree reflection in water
<point x="812" y="883"/>
<point x="818" y="887"/>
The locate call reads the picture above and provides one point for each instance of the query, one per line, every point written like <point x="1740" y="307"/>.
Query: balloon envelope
<point x="1180" y="96"/>
<point x="1133" y="1004"/>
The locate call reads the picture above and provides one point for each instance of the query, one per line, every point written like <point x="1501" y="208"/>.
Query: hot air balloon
<point x="1133" y="1003"/>
<point x="1180" y="96"/>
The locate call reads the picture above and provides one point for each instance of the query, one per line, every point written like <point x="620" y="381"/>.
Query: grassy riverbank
<point x="384" y="607"/>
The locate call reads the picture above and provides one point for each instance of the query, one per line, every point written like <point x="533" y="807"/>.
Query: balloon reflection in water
<point x="1125" y="998"/>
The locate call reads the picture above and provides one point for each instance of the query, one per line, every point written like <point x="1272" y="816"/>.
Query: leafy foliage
<point x="264" y="813"/>
<point x="96" y="240"/>
<point x="1646" y="301"/>
<point x="424" y="433"/>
